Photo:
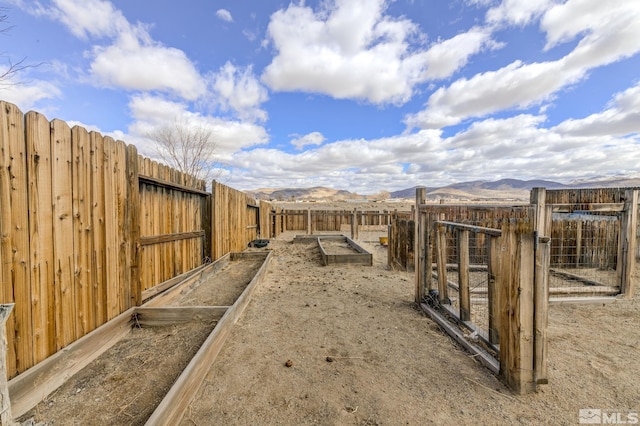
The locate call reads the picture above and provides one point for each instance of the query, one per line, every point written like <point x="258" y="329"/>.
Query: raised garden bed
<point x="339" y="249"/>
<point x="145" y="365"/>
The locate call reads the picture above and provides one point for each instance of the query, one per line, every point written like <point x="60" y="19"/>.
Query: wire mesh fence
<point x="584" y="251"/>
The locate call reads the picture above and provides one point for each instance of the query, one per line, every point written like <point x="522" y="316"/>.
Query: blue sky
<point x="363" y="95"/>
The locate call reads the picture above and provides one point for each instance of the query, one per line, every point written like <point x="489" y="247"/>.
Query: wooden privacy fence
<point x="236" y="220"/>
<point x="514" y="302"/>
<point x="89" y="228"/>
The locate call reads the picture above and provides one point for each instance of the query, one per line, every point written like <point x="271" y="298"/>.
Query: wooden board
<point x="359" y="256"/>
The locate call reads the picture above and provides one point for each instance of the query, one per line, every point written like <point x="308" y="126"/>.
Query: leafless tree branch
<point x="187" y="147"/>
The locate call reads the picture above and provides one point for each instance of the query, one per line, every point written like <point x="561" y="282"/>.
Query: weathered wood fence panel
<point x="87" y="225"/>
<point x="173" y="218"/>
<point x="237" y="219"/>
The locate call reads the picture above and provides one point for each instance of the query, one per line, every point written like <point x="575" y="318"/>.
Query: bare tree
<point x="12" y="68"/>
<point x="188" y="147"/>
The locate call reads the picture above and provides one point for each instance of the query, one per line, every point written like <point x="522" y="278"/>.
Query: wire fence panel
<point x="584" y="252"/>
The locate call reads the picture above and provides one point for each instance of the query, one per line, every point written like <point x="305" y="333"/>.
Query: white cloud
<point x="313" y="138"/>
<point x="352" y="50"/>
<point x="621" y="118"/>
<point x="516" y="85"/>
<point x="130" y="65"/>
<point x="134" y="61"/>
<point x="613" y="37"/>
<point x="517" y="12"/>
<point x="26" y="95"/>
<point x="95" y="18"/>
<point x="224" y="14"/>
<point x="238" y="89"/>
<point x="231" y="135"/>
<point x="447" y="56"/>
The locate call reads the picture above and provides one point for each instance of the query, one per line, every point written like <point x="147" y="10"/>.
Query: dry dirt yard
<point x="345" y="345"/>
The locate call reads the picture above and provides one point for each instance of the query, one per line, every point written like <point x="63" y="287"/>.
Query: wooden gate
<point x="499" y="296"/>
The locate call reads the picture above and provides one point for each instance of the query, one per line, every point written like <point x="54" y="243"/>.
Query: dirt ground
<point x="345" y="345"/>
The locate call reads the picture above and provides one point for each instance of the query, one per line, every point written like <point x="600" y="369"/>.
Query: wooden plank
<point x="441" y="261"/>
<point x="133" y="191"/>
<point x="171" y="185"/>
<point x="18" y="256"/>
<point x="477" y="229"/>
<point x="463" y="275"/>
<point x="149" y="293"/>
<point x="191" y="280"/>
<point x="111" y="232"/>
<point x="581" y="300"/>
<point x="628" y="230"/>
<point x="99" y="257"/>
<point x="81" y="200"/>
<point x="476" y="351"/>
<point x="542" y="224"/>
<point x="172" y="408"/>
<point x="588" y="207"/>
<point x="123" y="257"/>
<point x="7" y="111"/>
<point x="574" y="277"/>
<point x="419" y="247"/>
<point x="493" y="290"/>
<point x="38" y="134"/>
<point x="586" y="290"/>
<point x="158" y="239"/>
<point x="32" y="386"/>
<point x="62" y="191"/>
<point x="167" y="315"/>
<point x="516" y="320"/>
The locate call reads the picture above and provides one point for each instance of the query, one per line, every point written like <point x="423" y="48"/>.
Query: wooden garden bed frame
<point x="360" y="257"/>
<point x="31" y="387"/>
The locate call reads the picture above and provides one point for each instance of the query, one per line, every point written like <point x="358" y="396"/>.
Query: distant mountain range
<point x="503" y="189"/>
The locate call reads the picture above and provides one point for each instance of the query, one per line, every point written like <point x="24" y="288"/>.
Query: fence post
<point x="542" y="225"/>
<point x="441" y="255"/>
<point x="493" y="290"/>
<point x="133" y="190"/>
<point x="309" y="230"/>
<point x="5" y="403"/>
<point x="463" y="275"/>
<point x="516" y="309"/>
<point x="628" y="230"/>
<point x="419" y="244"/>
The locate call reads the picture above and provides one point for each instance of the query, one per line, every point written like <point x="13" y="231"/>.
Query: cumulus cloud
<point x="352" y="50"/>
<point x="224" y="14"/>
<point x="517" y="12"/>
<point x="517" y="147"/>
<point x="313" y="138"/>
<point x="27" y="96"/>
<point x="239" y="90"/>
<point x="90" y="18"/>
<point x="615" y="36"/>
<point x="622" y="117"/>
<point x="133" y="60"/>
<point x="150" y="112"/>
<point x="132" y="65"/>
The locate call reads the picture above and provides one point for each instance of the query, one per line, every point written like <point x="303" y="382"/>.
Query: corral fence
<point x="594" y="238"/>
<point x="89" y="228"/>
<point x="315" y="220"/>
<point x="484" y="272"/>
